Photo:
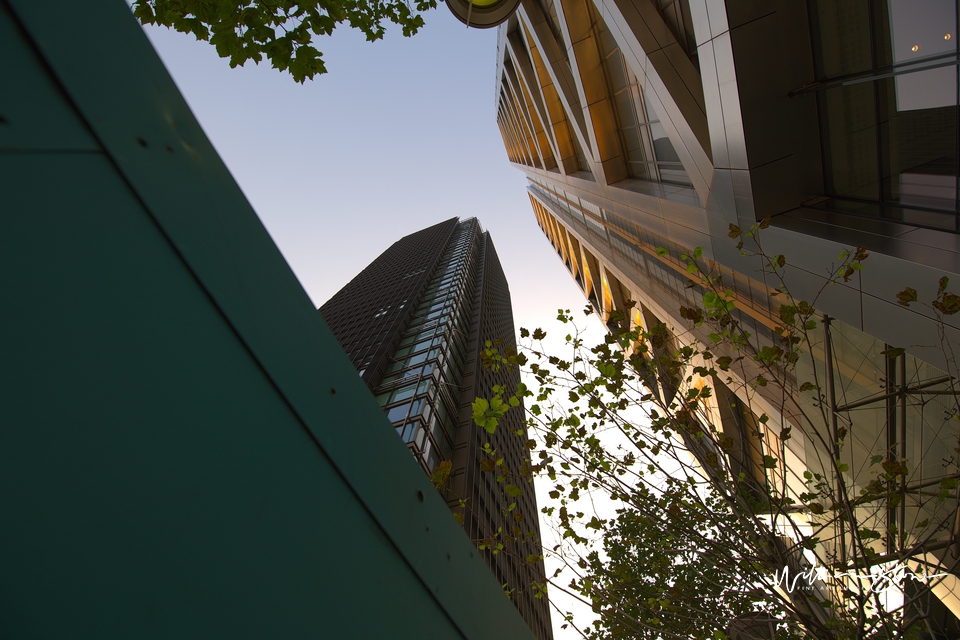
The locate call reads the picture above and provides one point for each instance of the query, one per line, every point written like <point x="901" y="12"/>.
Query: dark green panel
<point x="33" y="115"/>
<point x="188" y="440"/>
<point x="173" y="457"/>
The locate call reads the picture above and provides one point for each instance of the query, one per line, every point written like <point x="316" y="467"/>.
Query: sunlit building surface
<point x="647" y="128"/>
<point x="414" y="324"/>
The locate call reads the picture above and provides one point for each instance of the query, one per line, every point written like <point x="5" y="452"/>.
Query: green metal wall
<point x="184" y="449"/>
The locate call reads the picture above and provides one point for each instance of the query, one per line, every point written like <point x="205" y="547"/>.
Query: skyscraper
<point x="647" y="128"/>
<point x="415" y="323"/>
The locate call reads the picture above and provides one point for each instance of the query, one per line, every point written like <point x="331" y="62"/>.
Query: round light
<point x="915" y="48"/>
<point x="482" y="14"/>
<point x="946" y="37"/>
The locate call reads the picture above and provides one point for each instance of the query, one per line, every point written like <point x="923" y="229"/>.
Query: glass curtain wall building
<point x="414" y="324"/>
<point x="652" y="125"/>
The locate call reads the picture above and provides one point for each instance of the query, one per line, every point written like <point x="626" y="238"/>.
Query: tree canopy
<point x="281" y="31"/>
<point x="713" y="526"/>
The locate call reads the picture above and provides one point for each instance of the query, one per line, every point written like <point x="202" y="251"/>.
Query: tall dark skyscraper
<point x="414" y="323"/>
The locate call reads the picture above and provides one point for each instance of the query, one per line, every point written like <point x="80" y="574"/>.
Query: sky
<point x="399" y="134"/>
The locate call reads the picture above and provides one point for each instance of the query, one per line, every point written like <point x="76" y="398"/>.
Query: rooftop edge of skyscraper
<point x="414" y="323"/>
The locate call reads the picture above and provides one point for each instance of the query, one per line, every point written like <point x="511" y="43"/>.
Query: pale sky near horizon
<point x="399" y="134"/>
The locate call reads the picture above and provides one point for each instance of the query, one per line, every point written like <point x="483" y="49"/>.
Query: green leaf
<point x="480" y="407"/>
<point x="441" y="474"/>
<point x="513" y="490"/>
<point x="869" y="534"/>
<point x="892" y="353"/>
<point x="788" y="313"/>
<point x="810" y="543"/>
<point x="905" y="297"/>
<point x="948" y="304"/>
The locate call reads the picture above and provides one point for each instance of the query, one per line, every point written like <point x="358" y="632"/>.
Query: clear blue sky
<point x="398" y="135"/>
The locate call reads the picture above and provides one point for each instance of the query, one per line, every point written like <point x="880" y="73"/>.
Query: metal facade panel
<point x="175" y="382"/>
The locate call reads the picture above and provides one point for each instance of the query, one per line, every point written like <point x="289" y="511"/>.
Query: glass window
<point x="395" y="414"/>
<point x="406" y="431"/>
<point x="416" y="358"/>
<point x="420" y="437"/>
<point x="888" y="109"/>
<point x="648" y="152"/>
<point x="420" y="346"/>
<point x="402" y="393"/>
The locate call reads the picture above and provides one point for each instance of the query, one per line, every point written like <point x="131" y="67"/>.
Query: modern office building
<point x="414" y="323"/>
<point x="645" y="125"/>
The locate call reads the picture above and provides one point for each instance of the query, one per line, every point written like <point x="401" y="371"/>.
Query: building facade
<point x="647" y="128"/>
<point x="414" y="323"/>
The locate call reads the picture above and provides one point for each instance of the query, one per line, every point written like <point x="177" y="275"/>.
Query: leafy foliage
<point x="702" y="517"/>
<point x="281" y="31"/>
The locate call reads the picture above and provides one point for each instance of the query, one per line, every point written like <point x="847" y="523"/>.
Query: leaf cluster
<point x="691" y="545"/>
<point x="281" y="31"/>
